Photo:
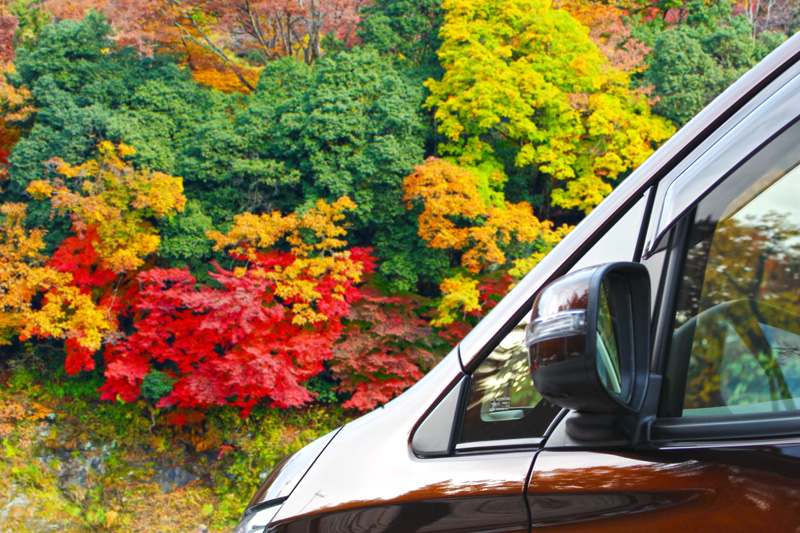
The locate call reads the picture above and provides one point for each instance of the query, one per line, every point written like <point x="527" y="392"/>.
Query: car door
<point x="721" y="442"/>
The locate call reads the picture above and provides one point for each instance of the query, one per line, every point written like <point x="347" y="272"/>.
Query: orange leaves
<point x="462" y="214"/>
<point x="446" y="191"/>
<point x="118" y="200"/>
<point x="457" y="216"/>
<point x="226" y="81"/>
<point x="610" y="33"/>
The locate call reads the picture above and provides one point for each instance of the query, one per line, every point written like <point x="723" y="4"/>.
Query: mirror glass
<point x="608" y="361"/>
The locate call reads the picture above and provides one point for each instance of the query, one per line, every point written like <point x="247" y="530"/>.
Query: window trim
<point x="757" y="425"/>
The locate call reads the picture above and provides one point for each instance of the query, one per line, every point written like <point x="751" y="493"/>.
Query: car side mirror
<point x="589" y="337"/>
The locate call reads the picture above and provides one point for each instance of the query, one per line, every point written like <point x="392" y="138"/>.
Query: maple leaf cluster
<point x="64" y="310"/>
<point x="267" y="327"/>
<point x="384" y="350"/>
<point x="461" y="213"/>
<point x="260" y="331"/>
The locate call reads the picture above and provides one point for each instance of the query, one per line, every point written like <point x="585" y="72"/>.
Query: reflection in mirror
<point x="608" y="364"/>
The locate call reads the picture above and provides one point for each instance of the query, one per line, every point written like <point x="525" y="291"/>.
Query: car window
<point x="503" y="404"/>
<point x="735" y="348"/>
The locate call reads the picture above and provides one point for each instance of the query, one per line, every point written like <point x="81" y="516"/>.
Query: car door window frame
<point x="669" y="428"/>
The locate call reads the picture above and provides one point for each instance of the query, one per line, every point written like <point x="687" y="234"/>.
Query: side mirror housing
<point x="589" y="340"/>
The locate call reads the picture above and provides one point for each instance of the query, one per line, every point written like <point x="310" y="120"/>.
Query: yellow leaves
<point x="315" y="242"/>
<point x="40" y="189"/>
<point x="67" y="312"/>
<point x="119" y="200"/>
<point x="458" y="294"/>
<point x="583" y="193"/>
<point x="105" y="148"/>
<point x="253" y="231"/>
<point x="160" y="193"/>
<point x="316" y="230"/>
<point x="64" y="312"/>
<point x="125" y="150"/>
<point x="520" y="71"/>
<point x="456" y="216"/>
<point x="547" y="241"/>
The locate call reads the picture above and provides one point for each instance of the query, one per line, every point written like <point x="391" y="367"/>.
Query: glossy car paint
<point x="285" y="476"/>
<point x="373" y="482"/>
<point x="736" y="487"/>
<point x="368" y="478"/>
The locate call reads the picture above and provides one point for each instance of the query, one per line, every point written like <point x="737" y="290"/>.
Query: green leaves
<point x="691" y="63"/>
<point x="349" y="126"/>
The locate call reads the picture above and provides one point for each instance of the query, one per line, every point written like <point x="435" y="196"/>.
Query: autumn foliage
<point x="385" y="349"/>
<point x="244" y="202"/>
<point x="462" y="214"/>
<point x="64" y="310"/>
<point x="267" y="327"/>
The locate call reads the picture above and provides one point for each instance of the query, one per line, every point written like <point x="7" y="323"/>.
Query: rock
<point x="76" y="470"/>
<point x="18" y="501"/>
<point x="174" y="478"/>
<point x="31" y="524"/>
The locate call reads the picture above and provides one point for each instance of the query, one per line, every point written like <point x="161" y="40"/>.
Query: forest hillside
<point x="227" y="227"/>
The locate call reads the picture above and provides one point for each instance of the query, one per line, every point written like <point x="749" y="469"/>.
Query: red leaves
<point x="232" y="345"/>
<point x="78" y="357"/>
<point x="383" y="352"/>
<point x="77" y="255"/>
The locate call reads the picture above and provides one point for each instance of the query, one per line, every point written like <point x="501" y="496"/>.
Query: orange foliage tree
<point x="64" y="311"/>
<point x="215" y="36"/>
<point x="462" y="214"/>
<point x="609" y="31"/>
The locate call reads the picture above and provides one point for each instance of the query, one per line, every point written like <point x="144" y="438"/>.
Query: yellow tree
<point x="315" y="242"/>
<point x="526" y="79"/>
<point x="118" y="201"/>
<point x="64" y="312"/>
<point x="113" y="208"/>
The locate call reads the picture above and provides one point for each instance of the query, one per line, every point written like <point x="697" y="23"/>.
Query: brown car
<point x="644" y="376"/>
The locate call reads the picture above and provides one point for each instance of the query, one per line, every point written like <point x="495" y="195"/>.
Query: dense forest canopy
<point x="211" y="202"/>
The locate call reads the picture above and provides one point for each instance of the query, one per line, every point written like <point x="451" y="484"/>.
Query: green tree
<point x="85" y="90"/>
<point x="407" y="29"/>
<point x="694" y="61"/>
<point x="348" y="126"/>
